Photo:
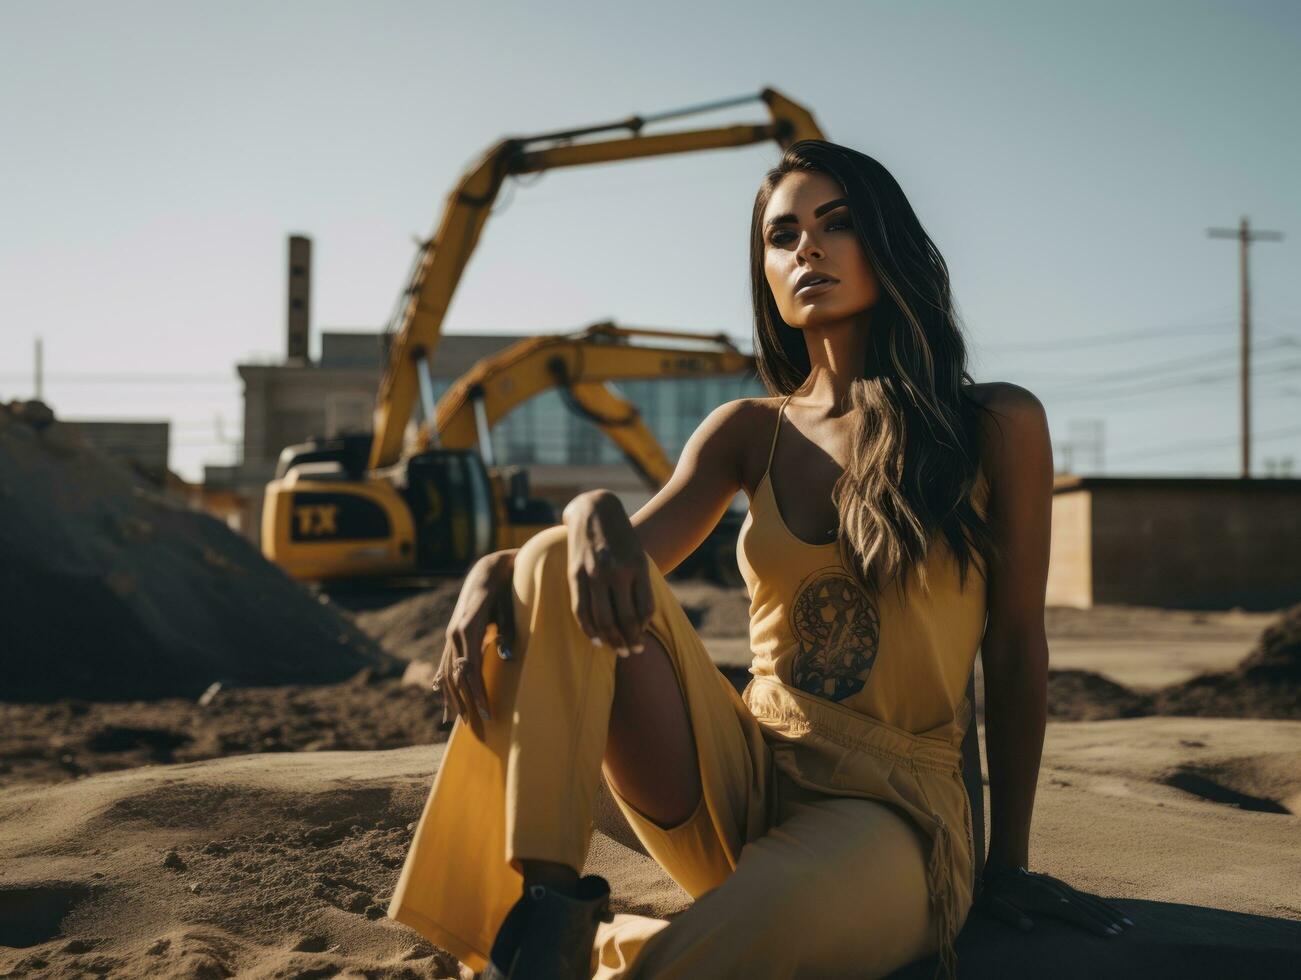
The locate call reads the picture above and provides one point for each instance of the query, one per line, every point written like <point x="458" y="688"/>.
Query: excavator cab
<point x="349" y="449"/>
<point x="450" y="497"/>
<point x="433" y="513"/>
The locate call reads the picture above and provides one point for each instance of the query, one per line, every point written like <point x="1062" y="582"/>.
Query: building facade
<point x="1177" y="542"/>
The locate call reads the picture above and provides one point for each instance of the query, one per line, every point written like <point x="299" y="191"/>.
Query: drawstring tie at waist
<point x="939" y="882"/>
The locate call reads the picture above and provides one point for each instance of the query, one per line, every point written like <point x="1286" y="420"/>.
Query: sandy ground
<point x="280" y="865"/>
<point x="258" y="831"/>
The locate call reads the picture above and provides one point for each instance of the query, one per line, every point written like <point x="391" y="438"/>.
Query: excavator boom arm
<point x="580" y="365"/>
<point x="443" y="258"/>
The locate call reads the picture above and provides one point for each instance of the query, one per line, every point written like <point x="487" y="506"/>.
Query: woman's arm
<point x="609" y="551"/>
<point x="1014" y="651"/>
<point x="1019" y="461"/>
<point x="673" y="523"/>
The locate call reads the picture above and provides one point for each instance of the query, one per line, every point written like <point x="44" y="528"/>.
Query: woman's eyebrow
<point x="818" y="212"/>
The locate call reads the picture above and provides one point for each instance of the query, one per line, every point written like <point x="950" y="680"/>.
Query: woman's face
<point x="803" y="235"/>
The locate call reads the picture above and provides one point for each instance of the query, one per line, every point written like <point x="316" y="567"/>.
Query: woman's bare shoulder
<point x="739" y="414"/>
<point x="1003" y="398"/>
<point x="998" y="393"/>
<point x="739" y="430"/>
<point x="1013" y="421"/>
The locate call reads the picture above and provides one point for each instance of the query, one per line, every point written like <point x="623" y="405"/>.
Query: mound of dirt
<point x="412" y="628"/>
<point x="1082" y="695"/>
<point x="54" y="742"/>
<point x="1266" y="684"/>
<point x="113" y="591"/>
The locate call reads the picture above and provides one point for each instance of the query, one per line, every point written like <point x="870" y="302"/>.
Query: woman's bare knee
<point x="650" y="752"/>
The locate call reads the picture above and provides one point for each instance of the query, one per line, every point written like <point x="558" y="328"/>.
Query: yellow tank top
<point x="815" y="629"/>
<point x="864" y="694"/>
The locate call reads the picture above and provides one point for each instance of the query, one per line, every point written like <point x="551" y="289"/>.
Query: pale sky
<point x="1066" y="158"/>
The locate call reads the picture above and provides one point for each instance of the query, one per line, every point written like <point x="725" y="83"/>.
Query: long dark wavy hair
<point x="915" y="455"/>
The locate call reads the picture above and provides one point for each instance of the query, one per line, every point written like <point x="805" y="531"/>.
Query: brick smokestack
<point x="300" y="297"/>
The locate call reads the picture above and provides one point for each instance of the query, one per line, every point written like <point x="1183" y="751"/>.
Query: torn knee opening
<point x="679" y="825"/>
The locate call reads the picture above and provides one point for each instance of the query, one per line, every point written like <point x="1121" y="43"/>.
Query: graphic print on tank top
<point x="838" y="628"/>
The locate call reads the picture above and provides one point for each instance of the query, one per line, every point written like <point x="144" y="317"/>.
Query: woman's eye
<point x="776" y="238"/>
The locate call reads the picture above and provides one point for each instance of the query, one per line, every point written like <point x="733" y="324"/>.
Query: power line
<point x="100" y="377"/>
<point x="1194" y="360"/>
<point x="1148" y="388"/>
<point x="1123" y="337"/>
<point x="1120" y="337"/>
<point x="1167" y="450"/>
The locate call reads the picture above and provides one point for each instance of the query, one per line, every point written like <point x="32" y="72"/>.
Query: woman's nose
<point x="808" y="250"/>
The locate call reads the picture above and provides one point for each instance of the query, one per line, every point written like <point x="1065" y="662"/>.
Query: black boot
<point x="548" y="935"/>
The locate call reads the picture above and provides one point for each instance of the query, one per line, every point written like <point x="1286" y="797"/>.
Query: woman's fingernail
<point x="1127" y="921"/>
<point x="1113" y="930"/>
<point x="596" y="641"/>
<point x="623" y="651"/>
<point x="639" y="648"/>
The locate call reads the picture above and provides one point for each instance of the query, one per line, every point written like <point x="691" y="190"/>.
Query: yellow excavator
<point x="321" y="530"/>
<point x="433" y="507"/>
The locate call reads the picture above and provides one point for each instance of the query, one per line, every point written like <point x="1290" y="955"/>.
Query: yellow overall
<point x="834" y="834"/>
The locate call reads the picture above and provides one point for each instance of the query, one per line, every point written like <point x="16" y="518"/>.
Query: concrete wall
<point x="1178" y="543"/>
<point x="1070" y="565"/>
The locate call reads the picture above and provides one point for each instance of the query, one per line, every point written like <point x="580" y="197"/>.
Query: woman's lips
<point x="816" y="287"/>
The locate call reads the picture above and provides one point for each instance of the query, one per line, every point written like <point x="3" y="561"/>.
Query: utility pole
<point x="40" y="371"/>
<point x="1245" y="237"/>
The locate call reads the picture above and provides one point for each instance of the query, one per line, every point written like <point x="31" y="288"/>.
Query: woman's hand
<point x="609" y="575"/>
<point x="485" y="598"/>
<point x="1009" y="893"/>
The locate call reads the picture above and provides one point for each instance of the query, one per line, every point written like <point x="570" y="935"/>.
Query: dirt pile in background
<point x="410" y="624"/>
<point x="1266" y="684"/>
<point x="54" y="742"/>
<point x="114" y="592"/>
<point x="1082" y="695"/>
<point x="411" y="628"/>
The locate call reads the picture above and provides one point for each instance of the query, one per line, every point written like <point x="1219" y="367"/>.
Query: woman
<point x="819" y="819"/>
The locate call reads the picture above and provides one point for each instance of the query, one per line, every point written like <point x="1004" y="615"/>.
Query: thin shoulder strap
<point x="776" y="430"/>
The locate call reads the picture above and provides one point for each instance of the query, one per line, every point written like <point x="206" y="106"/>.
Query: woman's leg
<point x="650" y="755"/>
<point x="837" y="888"/>
<point x="526" y="792"/>
<point x="658" y="775"/>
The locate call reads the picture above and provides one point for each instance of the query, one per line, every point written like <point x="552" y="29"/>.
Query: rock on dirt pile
<point x="112" y="591"/>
